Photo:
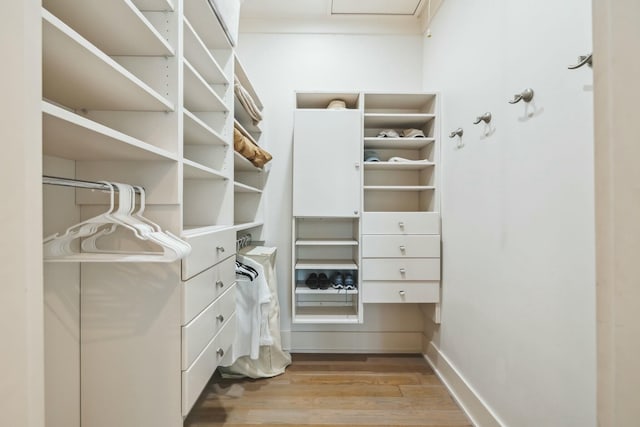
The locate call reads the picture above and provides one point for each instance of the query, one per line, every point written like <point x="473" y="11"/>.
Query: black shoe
<point x="312" y="281"/>
<point x="323" y="281"/>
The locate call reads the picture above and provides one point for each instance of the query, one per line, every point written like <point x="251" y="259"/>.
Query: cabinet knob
<point x="402" y="293"/>
<point x="220" y="352"/>
<point x="401" y="224"/>
<point x="402" y="248"/>
<point x="357" y="165"/>
<point x="219" y="248"/>
<point x="355" y="212"/>
<point x="220" y="318"/>
<point x="219" y="283"/>
<point x="402" y="271"/>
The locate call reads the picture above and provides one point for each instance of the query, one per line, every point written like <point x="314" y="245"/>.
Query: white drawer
<point x="206" y="325"/>
<point x="201" y="290"/>
<point x="196" y="377"/>
<point x="207" y="249"/>
<point x="401" y="246"/>
<point x="401" y="269"/>
<point x="401" y="223"/>
<point x="400" y="292"/>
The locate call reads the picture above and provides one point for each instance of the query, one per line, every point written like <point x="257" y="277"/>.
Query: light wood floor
<point x="333" y="390"/>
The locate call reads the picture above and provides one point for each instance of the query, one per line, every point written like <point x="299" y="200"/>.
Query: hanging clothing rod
<point x="77" y="183"/>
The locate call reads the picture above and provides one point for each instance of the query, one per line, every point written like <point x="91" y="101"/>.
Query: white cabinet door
<point x="326" y="163"/>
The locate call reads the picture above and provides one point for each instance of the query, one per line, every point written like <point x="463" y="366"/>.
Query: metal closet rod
<point x="78" y="183"/>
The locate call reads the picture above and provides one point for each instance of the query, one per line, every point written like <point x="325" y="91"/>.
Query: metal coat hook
<point x="486" y="117"/>
<point x="582" y="60"/>
<point x="458" y="132"/>
<point x="526" y="96"/>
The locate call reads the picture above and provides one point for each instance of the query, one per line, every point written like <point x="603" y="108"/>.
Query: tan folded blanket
<point x="248" y="149"/>
<point x="247" y="102"/>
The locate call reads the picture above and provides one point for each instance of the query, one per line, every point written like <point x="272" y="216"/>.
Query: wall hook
<point x="583" y="59"/>
<point x="457" y="132"/>
<point x="526" y="96"/>
<point x="486" y="117"/>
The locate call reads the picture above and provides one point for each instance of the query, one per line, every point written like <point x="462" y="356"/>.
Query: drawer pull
<point x="402" y="248"/>
<point x="220" y="352"/>
<point x="220" y="248"/>
<point x="402" y="271"/>
<point x="401" y="224"/>
<point x="220" y="318"/>
<point x="219" y="283"/>
<point x="402" y="293"/>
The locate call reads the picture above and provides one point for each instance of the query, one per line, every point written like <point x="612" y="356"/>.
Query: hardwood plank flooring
<point x="333" y="390"/>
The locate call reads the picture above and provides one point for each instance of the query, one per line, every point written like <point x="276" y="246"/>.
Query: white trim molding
<point x="352" y="342"/>
<point x="471" y="403"/>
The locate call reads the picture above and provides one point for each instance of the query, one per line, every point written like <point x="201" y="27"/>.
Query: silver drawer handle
<point x="219" y="283"/>
<point x="220" y="248"/>
<point x="220" y="318"/>
<point x="402" y="271"/>
<point x="402" y="293"/>
<point x="402" y="248"/>
<point x="220" y="352"/>
<point x="401" y="224"/>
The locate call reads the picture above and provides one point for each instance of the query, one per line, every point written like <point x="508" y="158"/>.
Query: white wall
<point x="518" y="316"/>
<point x="279" y="64"/>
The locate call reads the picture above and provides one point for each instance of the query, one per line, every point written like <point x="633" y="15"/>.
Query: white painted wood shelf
<point x="200" y="14"/>
<point x="248" y="225"/>
<point x="194" y="170"/>
<point x="413" y="165"/>
<point x="197" y="132"/>
<point x="198" y="94"/>
<point x="326" y="315"/>
<point x="302" y="288"/>
<point x="243" y="188"/>
<point x="80" y="76"/>
<point x="242" y="164"/>
<point x="154" y="5"/>
<point x="397" y="143"/>
<point x="326" y="242"/>
<point x="397" y="121"/>
<point x="71" y="136"/>
<point x="93" y="20"/>
<point x="201" y="58"/>
<point x="325" y="264"/>
<point x="244" y="80"/>
<point x="399" y="188"/>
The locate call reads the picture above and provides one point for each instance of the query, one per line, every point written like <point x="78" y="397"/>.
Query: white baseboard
<point x="470" y="402"/>
<point x="352" y="342"/>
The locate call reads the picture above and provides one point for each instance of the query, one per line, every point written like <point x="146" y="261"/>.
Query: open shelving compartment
<point x="329" y="246"/>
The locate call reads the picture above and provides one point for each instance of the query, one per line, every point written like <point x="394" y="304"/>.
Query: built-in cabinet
<point x="142" y="92"/>
<point x="365" y="201"/>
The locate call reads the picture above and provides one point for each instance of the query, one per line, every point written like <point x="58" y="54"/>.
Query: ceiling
<point x="267" y="9"/>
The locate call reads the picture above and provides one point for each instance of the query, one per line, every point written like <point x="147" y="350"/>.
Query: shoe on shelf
<point x="323" y="281"/>
<point x="312" y="281"/>
<point x="349" y="282"/>
<point x="337" y="282"/>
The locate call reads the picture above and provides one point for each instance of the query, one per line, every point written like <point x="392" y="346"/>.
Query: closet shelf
<point x="197" y="132"/>
<point x="325" y="264"/>
<point x="399" y="102"/>
<point x="198" y="94"/>
<point x="248" y="225"/>
<point x="397" y="121"/>
<point x="326" y="242"/>
<point x="206" y="24"/>
<point x="73" y="137"/>
<point x="193" y="170"/>
<point x="325" y="314"/>
<point x="245" y="119"/>
<point x="302" y="288"/>
<point x="242" y="164"/>
<point x="190" y="231"/>
<point x="238" y="187"/>
<point x="397" y="143"/>
<point x="93" y="20"/>
<point x="201" y="58"/>
<point x="402" y="166"/>
<point x="241" y="75"/>
<point x="154" y="5"/>
<point x="80" y="76"/>
<point x="399" y="188"/>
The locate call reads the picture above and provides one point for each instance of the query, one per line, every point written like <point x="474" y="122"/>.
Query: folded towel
<point x="247" y="102"/>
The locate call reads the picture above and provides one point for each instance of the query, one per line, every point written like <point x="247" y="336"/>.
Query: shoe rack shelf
<point x="302" y="288"/>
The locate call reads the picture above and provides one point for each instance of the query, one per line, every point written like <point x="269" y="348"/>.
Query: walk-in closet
<point x="319" y="212"/>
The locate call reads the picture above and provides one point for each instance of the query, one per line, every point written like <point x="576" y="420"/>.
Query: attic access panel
<point x="375" y="7"/>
